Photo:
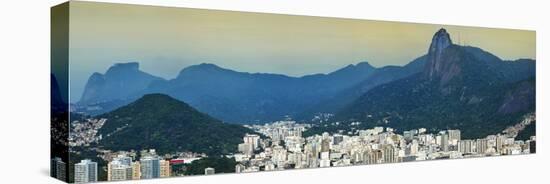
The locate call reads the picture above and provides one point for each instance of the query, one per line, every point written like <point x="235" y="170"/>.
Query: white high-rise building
<point x="85" y="171"/>
<point x="481" y="146"/>
<point x="118" y="171"/>
<point x="120" y="168"/>
<point x="414" y="147"/>
<point x="389" y="154"/>
<point x="279" y="154"/>
<point x="252" y="139"/>
<point x="246" y="148"/>
<point x="374" y="157"/>
<point x="500" y="142"/>
<point x="444" y="146"/>
<point x="466" y="146"/>
<point x="454" y="136"/>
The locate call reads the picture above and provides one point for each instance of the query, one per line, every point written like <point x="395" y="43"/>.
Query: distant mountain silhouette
<point x="122" y="81"/>
<point x="229" y="95"/>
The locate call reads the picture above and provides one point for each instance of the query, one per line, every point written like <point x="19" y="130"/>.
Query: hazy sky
<point x="165" y="40"/>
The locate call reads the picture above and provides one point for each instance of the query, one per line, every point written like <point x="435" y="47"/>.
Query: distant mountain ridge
<point x="379" y="76"/>
<point x="237" y="97"/>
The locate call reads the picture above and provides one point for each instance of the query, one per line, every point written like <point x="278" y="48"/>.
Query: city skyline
<point x="284" y="147"/>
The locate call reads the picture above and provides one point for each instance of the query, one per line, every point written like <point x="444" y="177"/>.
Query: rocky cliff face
<point x="121" y="81"/>
<point x="438" y="66"/>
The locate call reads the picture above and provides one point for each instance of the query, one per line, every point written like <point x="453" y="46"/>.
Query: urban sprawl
<point x="280" y="145"/>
